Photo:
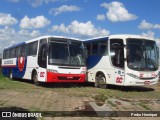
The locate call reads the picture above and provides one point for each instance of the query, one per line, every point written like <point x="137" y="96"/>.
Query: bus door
<point x="117" y="60"/>
<point x="42" y="60"/>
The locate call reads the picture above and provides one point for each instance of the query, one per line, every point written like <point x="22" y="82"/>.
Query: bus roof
<point x="122" y="36"/>
<point x="38" y="38"/>
<point x="125" y="36"/>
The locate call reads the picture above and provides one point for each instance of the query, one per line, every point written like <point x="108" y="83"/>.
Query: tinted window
<point x="97" y="48"/>
<point x="13" y="53"/>
<point x="19" y="51"/>
<point x="24" y="50"/>
<point x="33" y="48"/>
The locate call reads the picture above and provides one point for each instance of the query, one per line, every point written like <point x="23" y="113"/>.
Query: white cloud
<point x="81" y="29"/>
<point x="149" y="35"/>
<point x="63" y="8"/>
<point x="31" y="23"/>
<point x="37" y="3"/>
<point x="7" y="19"/>
<point x="32" y="34"/>
<point x="9" y="36"/>
<point x="101" y="17"/>
<point x="146" y="25"/>
<point x="117" y="12"/>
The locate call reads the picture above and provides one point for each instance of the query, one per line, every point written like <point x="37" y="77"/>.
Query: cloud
<point x="146" y="25"/>
<point x="63" y="8"/>
<point x="9" y="36"/>
<point x="117" y="12"/>
<point x="37" y="3"/>
<point x="7" y="19"/>
<point x="5" y="32"/>
<point x="32" y="23"/>
<point x="30" y="34"/>
<point x="101" y="17"/>
<point x="149" y="35"/>
<point x="81" y="29"/>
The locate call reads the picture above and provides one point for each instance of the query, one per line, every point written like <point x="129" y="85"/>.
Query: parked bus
<point x="46" y="59"/>
<point x="125" y="60"/>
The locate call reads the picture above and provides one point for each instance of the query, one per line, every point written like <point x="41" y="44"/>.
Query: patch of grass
<point x="111" y="103"/>
<point x="100" y="97"/>
<point x="2" y="103"/>
<point x="144" y="105"/>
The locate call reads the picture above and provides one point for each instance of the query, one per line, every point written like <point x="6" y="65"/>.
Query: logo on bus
<point x="119" y="80"/>
<point x="21" y="62"/>
<point x="141" y="75"/>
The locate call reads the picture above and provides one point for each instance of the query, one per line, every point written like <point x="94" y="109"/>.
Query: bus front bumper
<point x="59" y="77"/>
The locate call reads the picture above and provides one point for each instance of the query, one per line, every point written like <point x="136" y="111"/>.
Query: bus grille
<point x="149" y="78"/>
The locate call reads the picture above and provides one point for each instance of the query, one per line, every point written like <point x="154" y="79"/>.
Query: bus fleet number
<point x="42" y="74"/>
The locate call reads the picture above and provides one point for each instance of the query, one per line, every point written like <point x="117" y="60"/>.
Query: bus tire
<point x="101" y="81"/>
<point x="35" y="78"/>
<point x="10" y="74"/>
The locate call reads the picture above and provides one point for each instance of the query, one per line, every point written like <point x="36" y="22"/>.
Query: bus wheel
<point x="35" y="79"/>
<point x="101" y="80"/>
<point x="10" y="74"/>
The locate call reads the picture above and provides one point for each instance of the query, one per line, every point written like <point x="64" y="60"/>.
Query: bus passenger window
<point x="33" y="48"/>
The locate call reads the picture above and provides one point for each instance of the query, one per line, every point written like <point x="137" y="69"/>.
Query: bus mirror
<point x="124" y="45"/>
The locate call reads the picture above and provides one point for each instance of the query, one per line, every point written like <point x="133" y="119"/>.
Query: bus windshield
<point x="142" y="55"/>
<point x="66" y="53"/>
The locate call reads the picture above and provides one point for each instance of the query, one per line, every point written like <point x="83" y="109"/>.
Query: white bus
<point x="46" y="59"/>
<point x="124" y="60"/>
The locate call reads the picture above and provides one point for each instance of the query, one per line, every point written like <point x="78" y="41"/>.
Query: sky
<point x="22" y="20"/>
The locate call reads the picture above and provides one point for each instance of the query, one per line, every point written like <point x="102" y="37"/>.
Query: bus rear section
<point x="46" y="59"/>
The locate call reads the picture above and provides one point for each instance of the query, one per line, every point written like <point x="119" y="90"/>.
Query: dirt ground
<point x="58" y="100"/>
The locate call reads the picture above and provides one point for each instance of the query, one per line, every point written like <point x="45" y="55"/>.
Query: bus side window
<point x="33" y="48"/>
<point x="4" y="54"/>
<point x="94" y="48"/>
<point x="7" y="53"/>
<point x="12" y="53"/>
<point x="19" y="51"/>
<point x="24" y="50"/>
<point x="103" y="49"/>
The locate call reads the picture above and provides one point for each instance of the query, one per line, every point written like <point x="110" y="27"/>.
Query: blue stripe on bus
<point x="16" y="45"/>
<point x="15" y="70"/>
<point x="96" y="39"/>
<point x="92" y="61"/>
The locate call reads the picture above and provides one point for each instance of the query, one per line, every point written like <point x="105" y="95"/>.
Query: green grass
<point x="144" y="105"/>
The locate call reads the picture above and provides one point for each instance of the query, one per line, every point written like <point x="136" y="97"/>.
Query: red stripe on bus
<point x="57" y="77"/>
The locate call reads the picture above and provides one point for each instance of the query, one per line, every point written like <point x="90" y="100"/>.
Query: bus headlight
<point x="132" y="75"/>
<point x="51" y="70"/>
<point x="83" y="72"/>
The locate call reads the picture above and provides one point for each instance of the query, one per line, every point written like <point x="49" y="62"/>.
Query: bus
<point x="46" y="59"/>
<point x="124" y="60"/>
